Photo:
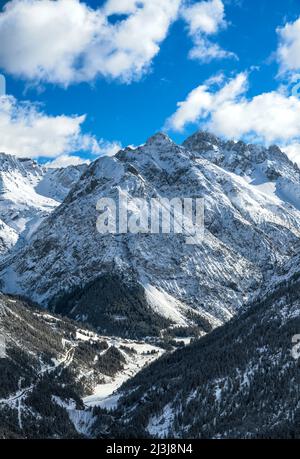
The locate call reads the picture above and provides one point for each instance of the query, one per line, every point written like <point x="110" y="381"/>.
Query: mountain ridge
<point x="28" y="193"/>
<point x="205" y="284"/>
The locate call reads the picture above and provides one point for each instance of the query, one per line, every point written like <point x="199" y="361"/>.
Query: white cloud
<point x="205" y="51"/>
<point x="105" y="148"/>
<point x="268" y="117"/>
<point x="203" y="19"/>
<point x="196" y="105"/>
<point x="25" y="130"/>
<point x="66" y="160"/>
<point x="271" y="117"/>
<point x="201" y="102"/>
<point x="65" y="41"/>
<point x="293" y="152"/>
<point x="288" y="52"/>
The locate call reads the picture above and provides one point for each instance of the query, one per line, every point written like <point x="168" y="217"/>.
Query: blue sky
<point x="127" y="110"/>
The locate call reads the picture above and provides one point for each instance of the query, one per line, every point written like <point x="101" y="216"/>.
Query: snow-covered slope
<point x="56" y="183"/>
<point x="28" y="193"/>
<point x="240" y="381"/>
<point x="53" y="372"/>
<point x="268" y="169"/>
<point x="145" y="282"/>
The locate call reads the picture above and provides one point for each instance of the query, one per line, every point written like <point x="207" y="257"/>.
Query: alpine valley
<point x="129" y="335"/>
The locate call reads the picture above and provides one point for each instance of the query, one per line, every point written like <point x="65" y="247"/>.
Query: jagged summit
<point x="159" y="138"/>
<point x="268" y="168"/>
<point x="158" y="155"/>
<point x="26" y="166"/>
<point x="202" y="139"/>
<point x="204" y="142"/>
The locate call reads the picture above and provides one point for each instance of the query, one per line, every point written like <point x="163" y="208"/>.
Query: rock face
<point x="252" y="227"/>
<point x="28" y="194"/>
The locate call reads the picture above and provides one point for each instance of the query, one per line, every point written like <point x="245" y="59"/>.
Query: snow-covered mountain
<point x="28" y="194"/>
<point x="268" y="169"/>
<point x="137" y="285"/>
<point x="240" y="381"/>
<point x="58" y="377"/>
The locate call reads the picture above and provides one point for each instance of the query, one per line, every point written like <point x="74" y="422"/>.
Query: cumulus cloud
<point x="105" y="148"/>
<point x="65" y="161"/>
<point x="27" y="131"/>
<point x="206" y="16"/>
<point x="206" y="51"/>
<point x="203" y="19"/>
<point x="272" y="117"/>
<point x="66" y="41"/>
<point x="202" y="101"/>
<point x="293" y="152"/>
<point x="288" y="52"/>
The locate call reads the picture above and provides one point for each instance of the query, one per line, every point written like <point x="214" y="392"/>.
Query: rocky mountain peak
<point x="160" y="138"/>
<point x="202" y="140"/>
<point x="25" y="166"/>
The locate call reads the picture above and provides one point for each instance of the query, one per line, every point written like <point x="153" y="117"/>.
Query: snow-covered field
<point x="104" y="394"/>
